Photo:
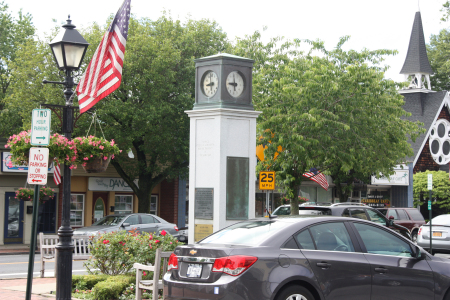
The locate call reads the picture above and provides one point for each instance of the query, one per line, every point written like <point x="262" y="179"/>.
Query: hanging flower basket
<point x="96" y="165"/>
<point x="95" y="153"/>
<point x="27" y="194"/>
<point x="60" y="148"/>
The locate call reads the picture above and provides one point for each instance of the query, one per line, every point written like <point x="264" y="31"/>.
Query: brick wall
<point x="168" y="202"/>
<point x="425" y="161"/>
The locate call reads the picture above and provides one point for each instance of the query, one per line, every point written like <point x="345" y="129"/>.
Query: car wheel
<point x="414" y="237"/>
<point x="295" y="292"/>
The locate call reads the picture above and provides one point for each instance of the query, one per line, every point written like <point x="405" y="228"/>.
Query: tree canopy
<point x="146" y="114"/>
<point x="438" y="53"/>
<point x="440" y="191"/>
<point x="330" y="110"/>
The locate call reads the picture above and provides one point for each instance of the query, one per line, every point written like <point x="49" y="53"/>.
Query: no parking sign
<point x="38" y="166"/>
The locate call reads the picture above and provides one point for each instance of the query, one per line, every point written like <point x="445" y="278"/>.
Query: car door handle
<point x="381" y="270"/>
<point x="323" y="265"/>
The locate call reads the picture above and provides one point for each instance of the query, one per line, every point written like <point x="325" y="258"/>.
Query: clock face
<point x="210" y="84"/>
<point x="235" y="84"/>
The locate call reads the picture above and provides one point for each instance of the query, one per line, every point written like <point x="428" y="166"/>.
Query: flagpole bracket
<point x="59" y="111"/>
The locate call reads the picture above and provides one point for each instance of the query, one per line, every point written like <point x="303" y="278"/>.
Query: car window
<point x="379" y="241"/>
<point x="147" y="219"/>
<point x="332" y="237"/>
<point x="402" y="214"/>
<point x="358" y="213"/>
<point x="290" y="244"/>
<point x="393" y="213"/>
<point x="383" y="211"/>
<point x="346" y="213"/>
<point x="282" y="211"/>
<point x="109" y="221"/>
<point x="133" y="220"/>
<point x="305" y="240"/>
<point x="376" y="216"/>
<point x="415" y="214"/>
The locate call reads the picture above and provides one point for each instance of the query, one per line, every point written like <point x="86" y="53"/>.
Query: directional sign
<point x="430" y="182"/>
<point x="40" y="127"/>
<point x="38" y="166"/>
<point x="267" y="180"/>
<point x="429" y="205"/>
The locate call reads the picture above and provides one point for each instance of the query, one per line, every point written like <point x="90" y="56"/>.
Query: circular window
<point x="439" y="142"/>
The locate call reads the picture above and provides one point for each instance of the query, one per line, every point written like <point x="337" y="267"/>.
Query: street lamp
<point x="68" y="49"/>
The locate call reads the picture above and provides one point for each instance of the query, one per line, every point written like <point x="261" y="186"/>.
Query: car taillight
<point x="420" y="231"/>
<point x="233" y="265"/>
<point x="176" y="228"/>
<point x="173" y="262"/>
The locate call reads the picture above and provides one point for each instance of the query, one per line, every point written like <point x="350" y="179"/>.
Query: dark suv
<point x="409" y="217"/>
<point x="353" y="210"/>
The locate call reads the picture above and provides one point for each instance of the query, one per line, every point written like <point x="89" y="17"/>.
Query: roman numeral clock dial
<point x="235" y="84"/>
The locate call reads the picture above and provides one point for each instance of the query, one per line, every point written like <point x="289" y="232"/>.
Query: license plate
<point x="438" y="234"/>
<point x="194" y="270"/>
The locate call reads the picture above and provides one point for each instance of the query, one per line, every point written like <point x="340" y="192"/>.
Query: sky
<point x="381" y="24"/>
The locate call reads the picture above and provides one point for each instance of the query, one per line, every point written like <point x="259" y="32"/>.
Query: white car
<point x="440" y="236"/>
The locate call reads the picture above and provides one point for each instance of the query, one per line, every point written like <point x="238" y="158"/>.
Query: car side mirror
<point x="391" y="221"/>
<point x="417" y="253"/>
<point x="125" y="224"/>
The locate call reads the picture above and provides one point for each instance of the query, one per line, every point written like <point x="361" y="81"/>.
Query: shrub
<point x="114" y="253"/>
<point x="86" y="282"/>
<point x="112" y="288"/>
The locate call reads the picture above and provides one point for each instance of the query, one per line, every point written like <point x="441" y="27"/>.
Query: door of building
<point x="47" y="216"/>
<point x="13" y="233"/>
<point x="100" y="200"/>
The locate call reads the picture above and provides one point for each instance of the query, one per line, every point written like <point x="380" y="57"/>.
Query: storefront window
<point x="316" y="194"/>
<point x="123" y="204"/>
<point x="154" y="205"/>
<point x="77" y="210"/>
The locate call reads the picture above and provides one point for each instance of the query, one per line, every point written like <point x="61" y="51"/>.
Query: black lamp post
<point x="68" y="48"/>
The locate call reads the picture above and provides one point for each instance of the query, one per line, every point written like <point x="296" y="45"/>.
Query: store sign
<point x="109" y="184"/>
<point x="9" y="167"/>
<point x="376" y="201"/>
<point x="400" y="177"/>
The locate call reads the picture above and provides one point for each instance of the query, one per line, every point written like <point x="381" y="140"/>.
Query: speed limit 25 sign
<point x="267" y="180"/>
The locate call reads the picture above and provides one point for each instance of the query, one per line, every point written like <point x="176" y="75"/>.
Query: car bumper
<point x="437" y="244"/>
<point x="226" y="288"/>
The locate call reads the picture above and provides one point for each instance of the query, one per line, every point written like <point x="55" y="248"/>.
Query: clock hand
<point x="233" y="84"/>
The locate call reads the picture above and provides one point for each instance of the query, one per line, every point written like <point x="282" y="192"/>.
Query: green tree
<point x="146" y="114"/>
<point x="441" y="189"/>
<point x="438" y="53"/>
<point x="14" y="34"/>
<point x="331" y="110"/>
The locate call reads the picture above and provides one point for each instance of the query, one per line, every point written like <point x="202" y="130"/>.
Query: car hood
<point x="90" y="230"/>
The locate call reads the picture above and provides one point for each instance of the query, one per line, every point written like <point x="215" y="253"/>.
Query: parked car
<point x="355" y="211"/>
<point x="139" y="221"/>
<point x="409" y="217"/>
<point x="307" y="258"/>
<point x="183" y="234"/>
<point x="440" y="236"/>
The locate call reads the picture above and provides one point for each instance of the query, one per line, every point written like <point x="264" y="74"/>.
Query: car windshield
<point x="251" y="233"/>
<point x="286" y="211"/>
<point x="109" y="221"/>
<point x="441" y="220"/>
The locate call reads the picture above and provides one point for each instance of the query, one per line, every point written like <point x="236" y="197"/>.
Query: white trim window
<point x="123" y="204"/>
<point x="154" y="205"/>
<point x="77" y="210"/>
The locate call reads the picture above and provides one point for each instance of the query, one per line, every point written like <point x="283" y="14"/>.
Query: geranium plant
<point x="60" y="148"/>
<point x="92" y="147"/>
<point x="27" y="194"/>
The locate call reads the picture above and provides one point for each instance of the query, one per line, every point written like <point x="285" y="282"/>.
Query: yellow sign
<point x="201" y="231"/>
<point x="267" y="180"/>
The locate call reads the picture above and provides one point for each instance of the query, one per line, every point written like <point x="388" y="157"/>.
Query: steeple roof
<point x="417" y="60"/>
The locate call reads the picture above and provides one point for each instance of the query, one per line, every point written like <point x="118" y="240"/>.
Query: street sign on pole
<point x="267" y="180"/>
<point x="429" y="205"/>
<point x="40" y="127"/>
<point x="38" y="166"/>
<point x="430" y="182"/>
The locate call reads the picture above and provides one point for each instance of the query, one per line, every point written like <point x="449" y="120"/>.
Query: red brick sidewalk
<point x="15" y="289"/>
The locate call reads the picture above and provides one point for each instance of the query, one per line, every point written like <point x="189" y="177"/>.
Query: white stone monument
<point x="222" y="145"/>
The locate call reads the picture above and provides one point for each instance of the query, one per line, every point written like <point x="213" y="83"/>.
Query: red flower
<point x="105" y="242"/>
<point x="163" y="232"/>
<point x="156" y="241"/>
<point x="144" y="273"/>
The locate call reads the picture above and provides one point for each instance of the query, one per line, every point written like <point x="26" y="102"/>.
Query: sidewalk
<point x="12" y="249"/>
<point x="15" y="289"/>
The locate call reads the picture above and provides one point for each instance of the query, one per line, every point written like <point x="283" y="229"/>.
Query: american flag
<point x="104" y="73"/>
<point x="57" y="174"/>
<point x="318" y="177"/>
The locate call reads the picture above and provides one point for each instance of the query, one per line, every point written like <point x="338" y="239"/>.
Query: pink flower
<point x="91" y="155"/>
<point x="105" y="242"/>
<point x="163" y="232"/>
<point x="143" y="273"/>
<point x="86" y="158"/>
<point x="157" y="241"/>
<point x="105" y="157"/>
<point x="101" y="147"/>
<point x="112" y="156"/>
<point x="171" y="243"/>
<point x="112" y="143"/>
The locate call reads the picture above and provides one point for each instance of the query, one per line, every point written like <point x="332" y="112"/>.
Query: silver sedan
<point x="440" y="235"/>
